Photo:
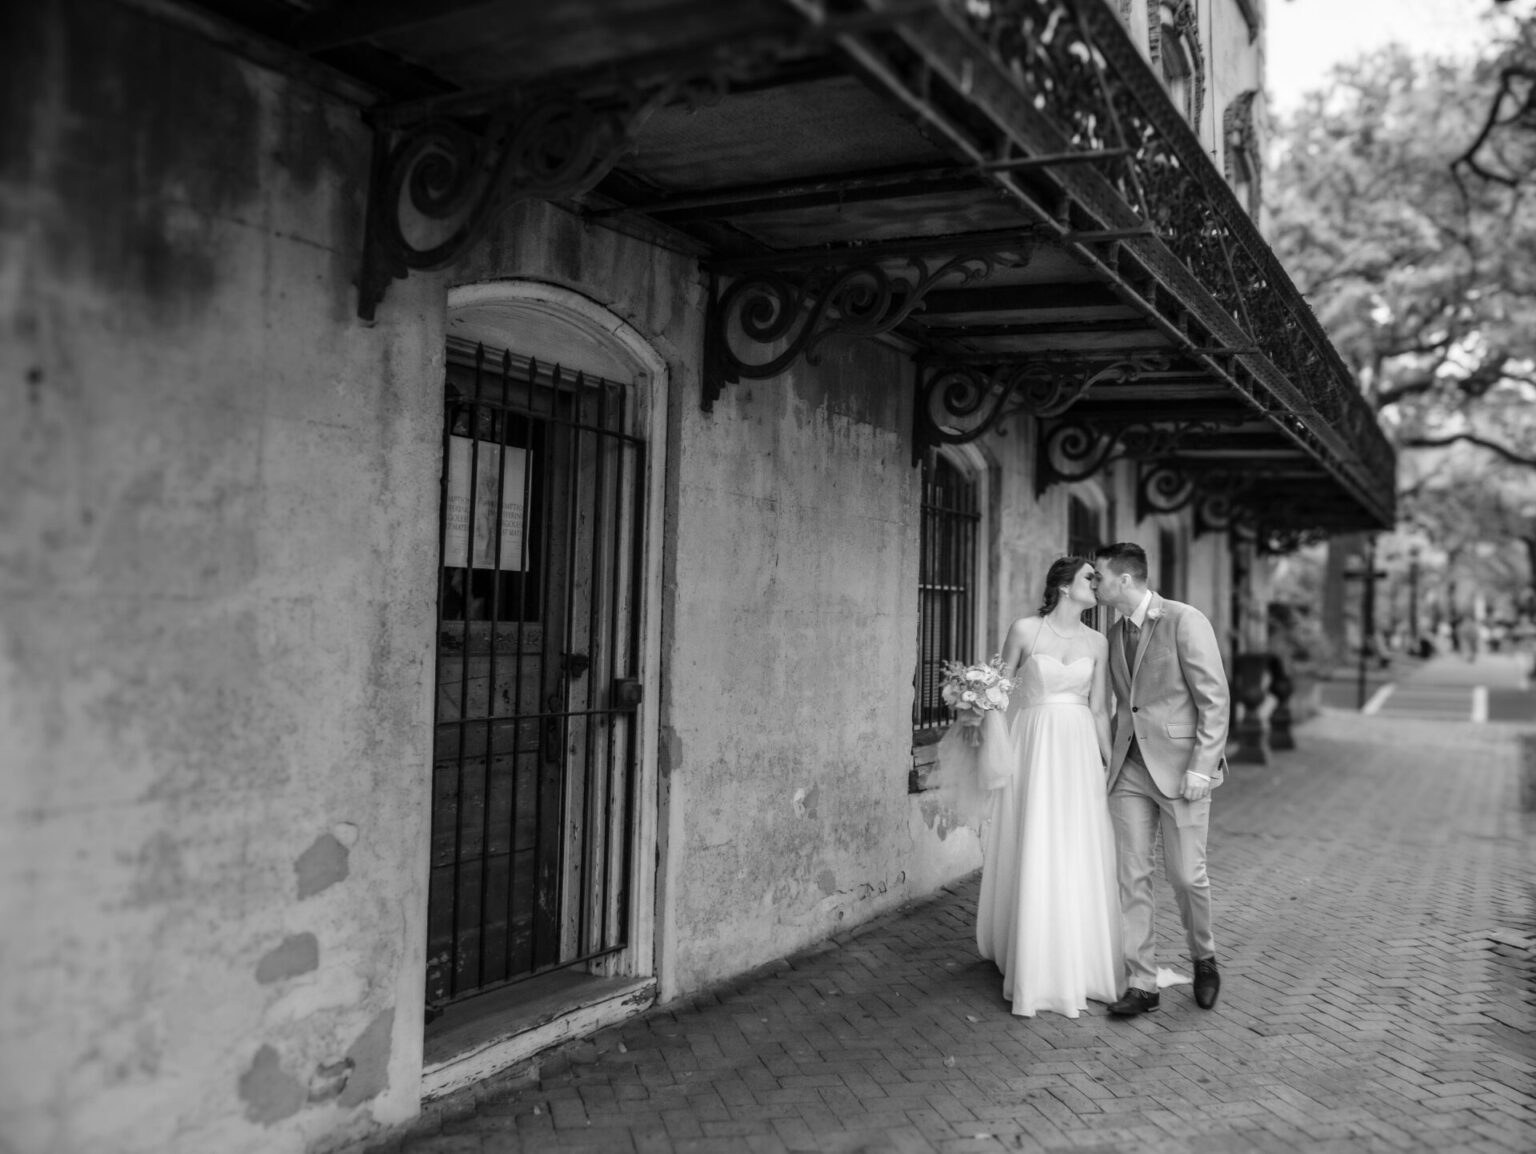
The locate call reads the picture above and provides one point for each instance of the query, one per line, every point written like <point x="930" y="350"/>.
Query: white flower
<point x="976" y="674"/>
<point x="968" y="697"/>
<point x="1154" y="614"/>
<point x="996" y="696"/>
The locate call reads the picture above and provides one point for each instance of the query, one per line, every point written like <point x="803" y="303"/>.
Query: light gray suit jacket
<point x="1175" y="699"/>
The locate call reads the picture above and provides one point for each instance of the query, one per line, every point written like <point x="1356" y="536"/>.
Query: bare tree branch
<point x="1503" y="451"/>
<point x="1506" y="88"/>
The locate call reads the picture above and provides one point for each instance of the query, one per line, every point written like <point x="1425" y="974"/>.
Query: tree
<point x="1482" y="518"/>
<point x="1425" y="279"/>
<point x="1504" y="148"/>
<point x="1423" y="271"/>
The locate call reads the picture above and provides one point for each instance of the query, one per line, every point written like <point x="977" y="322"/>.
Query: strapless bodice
<point x="1046" y="680"/>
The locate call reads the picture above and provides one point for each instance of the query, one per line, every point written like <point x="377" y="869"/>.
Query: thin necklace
<point x="1064" y="636"/>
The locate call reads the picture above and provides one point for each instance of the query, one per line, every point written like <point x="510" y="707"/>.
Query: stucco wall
<point x="789" y="627"/>
<point x="1233" y="63"/>
<point x="792" y="659"/>
<point x="217" y="489"/>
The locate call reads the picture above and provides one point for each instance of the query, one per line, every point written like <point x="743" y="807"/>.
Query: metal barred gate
<point x="535" y="745"/>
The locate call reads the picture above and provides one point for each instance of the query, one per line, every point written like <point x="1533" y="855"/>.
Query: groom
<point x="1169" y="753"/>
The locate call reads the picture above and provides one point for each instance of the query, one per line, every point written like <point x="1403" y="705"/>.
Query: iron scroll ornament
<point x="438" y="185"/>
<point x="1225" y="501"/>
<point x="957" y="403"/>
<point x="763" y="309"/>
<point x="1217" y="495"/>
<point x="1076" y="450"/>
<point x="1074" y="61"/>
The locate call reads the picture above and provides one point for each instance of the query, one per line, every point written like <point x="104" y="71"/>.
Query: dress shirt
<point x="1139" y="618"/>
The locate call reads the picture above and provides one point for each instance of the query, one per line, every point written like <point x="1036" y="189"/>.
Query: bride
<point x="1049" y="914"/>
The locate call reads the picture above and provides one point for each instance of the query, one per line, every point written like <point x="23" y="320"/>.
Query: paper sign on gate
<point x="490" y="466"/>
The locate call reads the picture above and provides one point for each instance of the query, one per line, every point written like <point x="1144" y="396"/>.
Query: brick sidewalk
<point x="1375" y="923"/>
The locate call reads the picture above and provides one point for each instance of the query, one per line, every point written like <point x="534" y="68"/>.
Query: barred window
<point x="1168" y="564"/>
<point x="1082" y="528"/>
<point x="947" y="586"/>
<point x="1083" y="537"/>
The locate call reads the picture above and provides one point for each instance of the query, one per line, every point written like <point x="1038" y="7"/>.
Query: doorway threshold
<point x="482" y="1036"/>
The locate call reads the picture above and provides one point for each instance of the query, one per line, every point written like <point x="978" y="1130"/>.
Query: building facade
<point x="487" y="491"/>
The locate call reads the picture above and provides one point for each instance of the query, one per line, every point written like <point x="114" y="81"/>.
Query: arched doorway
<point x="543" y="798"/>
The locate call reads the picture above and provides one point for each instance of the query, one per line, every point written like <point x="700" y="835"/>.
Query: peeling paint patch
<point x="826" y="880"/>
<point x="806" y="801"/>
<point x="939" y="818"/>
<point x="269" y="1093"/>
<point x="369" y="1057"/>
<point x="321" y="866"/>
<point x="669" y="753"/>
<point x="298" y="954"/>
<point x="330" y="1080"/>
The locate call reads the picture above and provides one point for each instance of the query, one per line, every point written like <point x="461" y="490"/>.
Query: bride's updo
<point x="1063" y="572"/>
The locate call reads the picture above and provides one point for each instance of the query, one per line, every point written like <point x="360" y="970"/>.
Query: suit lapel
<point x="1149" y="623"/>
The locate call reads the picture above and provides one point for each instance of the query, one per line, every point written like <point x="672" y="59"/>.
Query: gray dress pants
<point x="1139" y="811"/>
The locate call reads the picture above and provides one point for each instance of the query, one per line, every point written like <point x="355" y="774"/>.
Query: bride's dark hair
<point x="1063" y="571"/>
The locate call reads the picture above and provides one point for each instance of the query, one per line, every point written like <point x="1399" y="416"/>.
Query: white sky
<point x="1307" y="37"/>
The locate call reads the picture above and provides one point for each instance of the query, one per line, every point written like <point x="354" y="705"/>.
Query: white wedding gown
<point x="1049" y="913"/>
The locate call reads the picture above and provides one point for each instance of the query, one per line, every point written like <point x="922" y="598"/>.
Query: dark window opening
<point x="1168" y="564"/>
<point x="1083" y="537"/>
<point x="947" y="577"/>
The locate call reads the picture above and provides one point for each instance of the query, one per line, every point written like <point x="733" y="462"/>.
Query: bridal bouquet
<point x="977" y="689"/>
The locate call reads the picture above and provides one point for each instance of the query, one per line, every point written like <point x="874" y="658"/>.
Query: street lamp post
<point x="1367" y="574"/>
<point x="1413" y="598"/>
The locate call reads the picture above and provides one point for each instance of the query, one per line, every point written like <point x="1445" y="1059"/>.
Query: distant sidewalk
<point x="1495" y="670"/>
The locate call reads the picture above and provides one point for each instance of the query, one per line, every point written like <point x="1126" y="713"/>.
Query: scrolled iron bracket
<point x="444" y="169"/>
<point x="439" y="183"/>
<point x="1163" y="488"/>
<point x="1218" y="496"/>
<point x="1076" y="450"/>
<point x="959" y="402"/>
<point x="795" y="310"/>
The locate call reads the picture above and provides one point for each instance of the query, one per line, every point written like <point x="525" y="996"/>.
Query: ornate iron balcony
<point x="1079" y="71"/>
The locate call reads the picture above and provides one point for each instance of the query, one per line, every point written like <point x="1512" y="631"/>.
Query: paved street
<point x="1376" y="927"/>
<point x="1494" y="687"/>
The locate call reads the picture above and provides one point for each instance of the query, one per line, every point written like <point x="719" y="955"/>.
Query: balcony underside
<point x="1007" y="190"/>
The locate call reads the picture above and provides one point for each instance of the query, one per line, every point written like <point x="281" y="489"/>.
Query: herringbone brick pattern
<point x="1375" y="920"/>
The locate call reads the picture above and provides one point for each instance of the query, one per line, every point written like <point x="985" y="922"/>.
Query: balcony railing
<point x="1078" y="70"/>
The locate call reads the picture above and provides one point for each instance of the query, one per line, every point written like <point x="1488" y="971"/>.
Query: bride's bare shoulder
<point x="1024" y="626"/>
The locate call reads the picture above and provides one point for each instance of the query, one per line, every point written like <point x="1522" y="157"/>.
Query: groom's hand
<point x="1197" y="787"/>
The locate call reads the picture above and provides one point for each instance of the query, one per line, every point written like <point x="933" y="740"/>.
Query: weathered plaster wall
<point x="791" y="663"/>
<point x="1232" y="63"/>
<point x="1210" y="586"/>
<point x="1237" y="66"/>
<point x="1033" y="530"/>
<point x="216" y="491"/>
<point x="790" y="598"/>
<point x="1236" y="63"/>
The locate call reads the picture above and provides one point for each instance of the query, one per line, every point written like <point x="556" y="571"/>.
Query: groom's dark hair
<point x="1124" y="557"/>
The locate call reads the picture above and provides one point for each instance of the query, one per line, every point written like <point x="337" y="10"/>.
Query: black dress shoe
<point x="1207" y="982"/>
<point x="1135" y="1002"/>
